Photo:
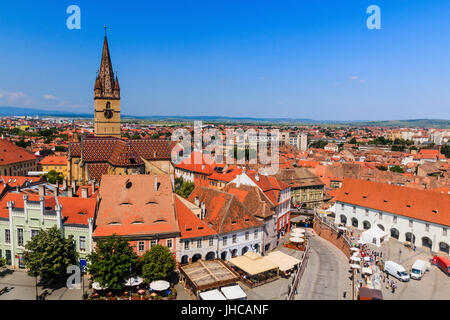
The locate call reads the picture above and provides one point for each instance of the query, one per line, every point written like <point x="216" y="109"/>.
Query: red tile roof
<point x="17" y="197"/>
<point x="190" y="225"/>
<point x="10" y="153"/>
<point x="77" y="210"/>
<point x="223" y="210"/>
<point x="414" y="203"/>
<point x="54" y="161"/>
<point x="130" y="206"/>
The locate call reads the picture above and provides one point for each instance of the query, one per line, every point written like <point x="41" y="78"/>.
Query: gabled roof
<point x="253" y="198"/>
<point x="54" y="161"/>
<point x="190" y="225"/>
<point x="77" y="210"/>
<point x="130" y="206"/>
<point x="17" y="197"/>
<point x="224" y="212"/>
<point x="10" y="153"/>
<point x="409" y="202"/>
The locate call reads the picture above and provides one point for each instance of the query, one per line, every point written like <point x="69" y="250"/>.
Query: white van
<point x="419" y="268"/>
<point x="396" y="270"/>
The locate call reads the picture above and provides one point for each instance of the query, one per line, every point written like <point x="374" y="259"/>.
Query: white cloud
<point x="15" y="98"/>
<point x="50" y="97"/>
<point x="363" y="81"/>
<point x="353" y="78"/>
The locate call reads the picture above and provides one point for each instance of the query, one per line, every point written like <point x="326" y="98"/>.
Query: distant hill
<point x="14" y="111"/>
<point x="420" y="123"/>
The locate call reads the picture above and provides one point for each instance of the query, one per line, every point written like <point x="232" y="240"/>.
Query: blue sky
<point x="300" y="59"/>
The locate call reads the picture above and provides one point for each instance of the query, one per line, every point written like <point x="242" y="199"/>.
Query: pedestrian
<point x="345" y="294"/>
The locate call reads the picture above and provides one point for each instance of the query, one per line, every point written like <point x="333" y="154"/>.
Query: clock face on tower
<point x="108" y="113"/>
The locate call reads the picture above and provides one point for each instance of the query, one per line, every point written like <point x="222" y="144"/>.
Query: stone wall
<point x="332" y="236"/>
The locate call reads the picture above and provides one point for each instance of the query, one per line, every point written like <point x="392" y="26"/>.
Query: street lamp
<point x="35" y="275"/>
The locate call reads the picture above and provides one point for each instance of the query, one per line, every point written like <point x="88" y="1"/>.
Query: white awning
<point x="355" y="266"/>
<point x="282" y="260"/>
<point x="212" y="295"/>
<point x="354" y="258"/>
<point x="134" y="281"/>
<point x="159" y="285"/>
<point x="233" y="292"/>
<point x="96" y="286"/>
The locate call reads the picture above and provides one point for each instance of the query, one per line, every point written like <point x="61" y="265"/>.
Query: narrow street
<point x="326" y="275"/>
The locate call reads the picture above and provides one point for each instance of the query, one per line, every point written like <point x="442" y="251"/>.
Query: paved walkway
<point x="23" y="287"/>
<point x="326" y="276"/>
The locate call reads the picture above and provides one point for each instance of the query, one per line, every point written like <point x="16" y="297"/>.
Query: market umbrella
<point x="342" y="228"/>
<point x="296" y="234"/>
<point x="354" y="249"/>
<point x="366" y="270"/>
<point x="296" y="239"/>
<point x="355" y="258"/>
<point x="366" y="258"/>
<point x="134" y="281"/>
<point x="355" y="266"/>
<point x="159" y="285"/>
<point x="96" y="286"/>
<point x="298" y="230"/>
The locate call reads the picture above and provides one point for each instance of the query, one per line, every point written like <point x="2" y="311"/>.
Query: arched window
<point x="108" y="105"/>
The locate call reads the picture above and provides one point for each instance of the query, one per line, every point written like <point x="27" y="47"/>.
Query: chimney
<point x="18" y="188"/>
<point x="64" y="185"/>
<point x="93" y="186"/>
<point x="84" y="192"/>
<point x="203" y="211"/>
<point x="156" y="183"/>
<point x="172" y="179"/>
<point x="196" y="201"/>
<point x="257" y="177"/>
<point x="41" y="191"/>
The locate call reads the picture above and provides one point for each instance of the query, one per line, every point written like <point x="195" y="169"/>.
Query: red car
<point x="443" y="263"/>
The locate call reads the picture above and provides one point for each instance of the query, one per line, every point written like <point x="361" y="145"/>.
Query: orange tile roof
<point x="17" y="197"/>
<point x="77" y="210"/>
<point x="14" y="181"/>
<point x="10" y="153"/>
<point x="190" y="225"/>
<point x="54" y="161"/>
<point x="130" y="206"/>
<point x="409" y="202"/>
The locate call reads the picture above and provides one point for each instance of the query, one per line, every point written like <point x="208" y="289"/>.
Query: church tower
<point x="106" y="98"/>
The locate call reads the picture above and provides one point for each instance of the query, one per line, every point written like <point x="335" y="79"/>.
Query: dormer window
<point x="137" y="222"/>
<point x="114" y="223"/>
<point x="435" y="211"/>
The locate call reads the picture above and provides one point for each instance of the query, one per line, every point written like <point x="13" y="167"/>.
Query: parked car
<point x="419" y="268"/>
<point x="443" y="263"/>
<point x="396" y="270"/>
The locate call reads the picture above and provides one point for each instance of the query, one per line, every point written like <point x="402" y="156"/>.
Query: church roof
<point x="105" y="80"/>
<point x="97" y="152"/>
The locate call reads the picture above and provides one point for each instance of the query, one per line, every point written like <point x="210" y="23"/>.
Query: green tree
<point x="109" y="263"/>
<point x="48" y="255"/>
<point x="2" y="262"/>
<point x="353" y="141"/>
<point x="320" y="144"/>
<point x="60" y="149"/>
<point x="397" y="169"/>
<point x="183" y="188"/>
<point x="22" y="143"/>
<point x="157" y="263"/>
<point x="53" y="176"/>
<point x="445" y="150"/>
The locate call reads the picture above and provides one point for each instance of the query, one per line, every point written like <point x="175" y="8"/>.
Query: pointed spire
<point x="106" y="75"/>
